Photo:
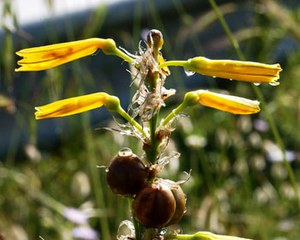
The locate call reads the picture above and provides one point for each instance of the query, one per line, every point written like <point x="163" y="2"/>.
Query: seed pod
<point x="180" y="200"/>
<point x="154" y="205"/>
<point x="126" y="174"/>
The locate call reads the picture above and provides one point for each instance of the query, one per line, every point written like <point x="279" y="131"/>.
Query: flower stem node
<point x="109" y="47"/>
<point x="190" y="99"/>
<point x="112" y="103"/>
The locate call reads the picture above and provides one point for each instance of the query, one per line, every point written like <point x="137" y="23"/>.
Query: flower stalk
<point x="154" y="42"/>
<point x="130" y="120"/>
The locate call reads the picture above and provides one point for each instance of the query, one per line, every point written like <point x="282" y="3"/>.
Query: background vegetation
<point x="241" y="182"/>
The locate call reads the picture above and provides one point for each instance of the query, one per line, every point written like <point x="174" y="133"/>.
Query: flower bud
<point x="227" y="103"/>
<point x="45" y="57"/>
<point x="155" y="39"/>
<point x="72" y="105"/>
<point x="236" y="70"/>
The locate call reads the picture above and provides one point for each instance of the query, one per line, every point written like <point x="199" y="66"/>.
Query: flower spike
<point x="45" y="57"/>
<point x="76" y="105"/>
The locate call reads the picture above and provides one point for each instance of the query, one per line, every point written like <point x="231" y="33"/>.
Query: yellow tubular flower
<point x="236" y="70"/>
<point x="227" y="103"/>
<point x="45" y="57"/>
<point x="76" y="105"/>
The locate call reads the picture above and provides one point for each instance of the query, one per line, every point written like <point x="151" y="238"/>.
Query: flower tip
<point x="21" y="68"/>
<point x="38" y="114"/>
<point x="278" y="67"/>
<point x="275" y="82"/>
<point x="19" y="53"/>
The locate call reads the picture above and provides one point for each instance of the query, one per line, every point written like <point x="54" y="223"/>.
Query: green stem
<point x="137" y="226"/>
<point x="149" y="232"/>
<point x="123" y="55"/>
<point x="173" y="114"/>
<point x="190" y="99"/>
<point x="174" y="63"/>
<point x="280" y="143"/>
<point x="182" y="237"/>
<point x="134" y="123"/>
<point x="95" y="178"/>
<point x="260" y="97"/>
<point x="153" y="151"/>
<point x="228" y="32"/>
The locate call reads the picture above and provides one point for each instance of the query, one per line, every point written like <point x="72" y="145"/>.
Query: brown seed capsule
<point x="126" y="174"/>
<point x="180" y="200"/>
<point x="154" y="205"/>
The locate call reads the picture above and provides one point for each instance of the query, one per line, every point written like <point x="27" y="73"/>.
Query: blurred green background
<point x="241" y="184"/>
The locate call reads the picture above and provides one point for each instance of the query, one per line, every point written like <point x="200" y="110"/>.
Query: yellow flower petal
<point x="45" y="57"/>
<point x="227" y="103"/>
<point x="236" y="70"/>
<point x="72" y="106"/>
